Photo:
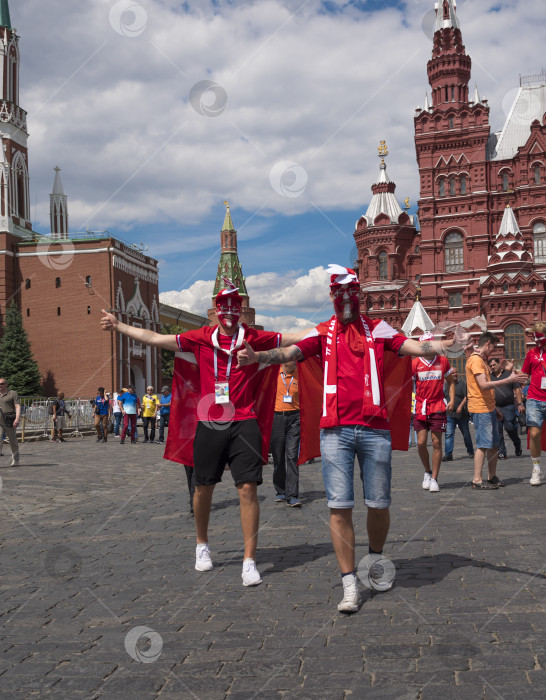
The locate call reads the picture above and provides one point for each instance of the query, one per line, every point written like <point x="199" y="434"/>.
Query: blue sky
<point x="299" y="94"/>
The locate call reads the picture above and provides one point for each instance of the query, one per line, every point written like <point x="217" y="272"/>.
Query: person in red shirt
<point x="227" y="430"/>
<point x="430" y="409"/>
<point x="353" y="350"/>
<point x="534" y="367"/>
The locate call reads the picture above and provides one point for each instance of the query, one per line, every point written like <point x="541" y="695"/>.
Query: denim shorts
<point x="487" y="430"/>
<point x="536" y="413"/>
<point x="339" y="447"/>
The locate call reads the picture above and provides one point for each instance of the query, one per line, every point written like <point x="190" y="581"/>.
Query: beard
<point x="347" y="312"/>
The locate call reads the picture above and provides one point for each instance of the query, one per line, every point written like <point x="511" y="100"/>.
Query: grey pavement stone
<point x="466" y="617"/>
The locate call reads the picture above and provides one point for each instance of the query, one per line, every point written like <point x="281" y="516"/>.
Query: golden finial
<point x="226" y="204"/>
<point x="406" y="204"/>
<point x="383" y="151"/>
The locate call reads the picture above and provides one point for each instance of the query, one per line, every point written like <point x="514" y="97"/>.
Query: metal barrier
<point x="37" y="420"/>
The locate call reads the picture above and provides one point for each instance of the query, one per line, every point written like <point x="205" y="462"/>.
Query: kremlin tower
<point x="229" y="267"/>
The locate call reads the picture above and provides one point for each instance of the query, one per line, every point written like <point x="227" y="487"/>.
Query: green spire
<point x="5" y="20"/>
<point x="228" y="223"/>
<point x="229" y="265"/>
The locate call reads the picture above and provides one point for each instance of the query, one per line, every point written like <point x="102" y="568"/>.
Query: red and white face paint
<point x="540" y="339"/>
<point x="228" y="311"/>
<point x="346" y="301"/>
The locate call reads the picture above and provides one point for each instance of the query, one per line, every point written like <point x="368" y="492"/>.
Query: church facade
<point x="480" y="247"/>
<point x="61" y="281"/>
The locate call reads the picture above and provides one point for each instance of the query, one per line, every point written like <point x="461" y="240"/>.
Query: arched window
<point x="57" y="282"/>
<point x="539" y="242"/>
<point x="58" y="310"/>
<point x="442" y="188"/>
<point x="21" y="209"/>
<point x="88" y="309"/>
<point x="451" y="123"/>
<point x="453" y="248"/>
<point x="452" y="186"/>
<point x="505" y="182"/>
<point x="537" y="174"/>
<point x="88" y="280"/>
<point x="28" y="312"/>
<point x="463" y="184"/>
<point x="27" y="284"/>
<point x="383" y="266"/>
<point x="514" y="343"/>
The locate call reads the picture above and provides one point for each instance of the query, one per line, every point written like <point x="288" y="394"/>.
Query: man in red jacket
<point x="431" y="410"/>
<point x="354" y="422"/>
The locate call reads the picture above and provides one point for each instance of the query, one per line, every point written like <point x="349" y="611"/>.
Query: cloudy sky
<point x="159" y="110"/>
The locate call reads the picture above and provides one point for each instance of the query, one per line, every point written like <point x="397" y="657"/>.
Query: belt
<point x="290" y="412"/>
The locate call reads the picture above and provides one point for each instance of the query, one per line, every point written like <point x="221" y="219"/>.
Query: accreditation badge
<point x="221" y="392"/>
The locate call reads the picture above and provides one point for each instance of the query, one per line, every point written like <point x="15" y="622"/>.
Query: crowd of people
<point x="117" y="413"/>
<point x="334" y="396"/>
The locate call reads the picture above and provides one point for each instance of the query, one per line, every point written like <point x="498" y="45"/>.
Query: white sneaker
<point x="351" y="594"/>
<point x="536" y="477"/>
<point x="250" y="575"/>
<point x="426" y="480"/>
<point x="203" y="562"/>
<point x="433" y="485"/>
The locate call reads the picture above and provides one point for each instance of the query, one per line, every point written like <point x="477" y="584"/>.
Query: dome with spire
<point x="383" y="202"/>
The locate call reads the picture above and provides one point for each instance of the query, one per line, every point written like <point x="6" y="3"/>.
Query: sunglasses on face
<point x="351" y="291"/>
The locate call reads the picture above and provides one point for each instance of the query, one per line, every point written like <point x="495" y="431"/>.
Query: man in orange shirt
<point x="285" y="437"/>
<point x="481" y="403"/>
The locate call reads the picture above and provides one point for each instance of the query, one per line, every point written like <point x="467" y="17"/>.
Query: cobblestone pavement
<point x="99" y="596"/>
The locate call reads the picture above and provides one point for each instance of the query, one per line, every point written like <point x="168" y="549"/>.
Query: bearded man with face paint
<point x="534" y="367"/>
<point x="222" y="427"/>
<point x="354" y="422"/>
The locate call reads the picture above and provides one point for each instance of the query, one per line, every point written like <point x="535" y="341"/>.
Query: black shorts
<point x="238" y="443"/>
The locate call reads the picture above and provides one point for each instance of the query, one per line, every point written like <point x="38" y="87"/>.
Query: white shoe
<point x="203" y="562"/>
<point x="351" y="594"/>
<point x="426" y="481"/>
<point x="536" y="477"/>
<point x="250" y="575"/>
<point x="433" y="485"/>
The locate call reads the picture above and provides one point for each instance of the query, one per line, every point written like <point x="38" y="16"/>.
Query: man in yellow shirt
<point x="150" y="404"/>
<point x="481" y="404"/>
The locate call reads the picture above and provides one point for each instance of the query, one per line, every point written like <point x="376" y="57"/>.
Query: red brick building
<point x="61" y="281"/>
<point x="472" y="255"/>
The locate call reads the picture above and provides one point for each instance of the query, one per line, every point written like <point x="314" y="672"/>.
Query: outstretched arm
<point x="110" y="323"/>
<point x="277" y="356"/>
<point x="291" y="338"/>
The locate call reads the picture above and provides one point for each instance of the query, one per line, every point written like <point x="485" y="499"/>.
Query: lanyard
<point x="235" y="342"/>
<point x="284" y="381"/>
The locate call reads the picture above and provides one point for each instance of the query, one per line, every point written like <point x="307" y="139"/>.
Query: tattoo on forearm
<point x="279" y="356"/>
<point x="426" y="348"/>
<point x="271" y="357"/>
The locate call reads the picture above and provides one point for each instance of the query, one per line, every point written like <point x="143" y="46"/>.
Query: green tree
<point x="17" y="364"/>
<point x="167" y="356"/>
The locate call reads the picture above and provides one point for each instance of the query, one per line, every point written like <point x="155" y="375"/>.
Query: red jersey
<point x="350" y="375"/>
<point x="241" y="380"/>
<point x="535" y="366"/>
<point x="429" y="384"/>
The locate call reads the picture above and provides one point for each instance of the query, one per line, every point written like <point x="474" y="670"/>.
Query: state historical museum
<point x="481" y="249"/>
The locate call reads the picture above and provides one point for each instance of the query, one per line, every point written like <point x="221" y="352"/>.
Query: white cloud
<point x="303" y="293"/>
<point x="284" y="324"/>
<point x="303" y="85"/>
